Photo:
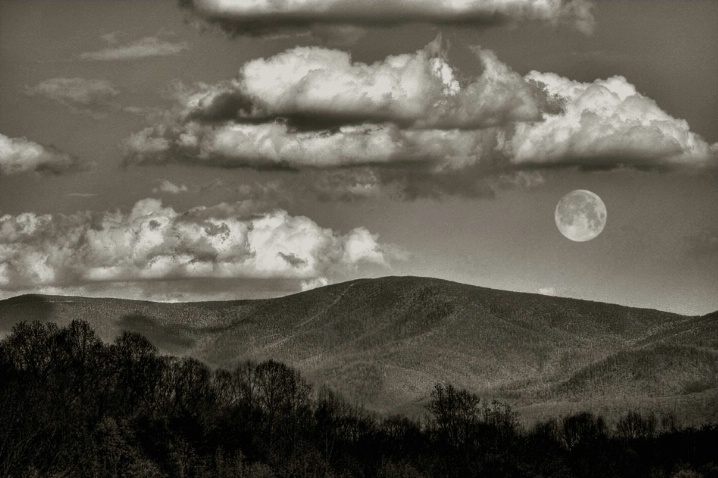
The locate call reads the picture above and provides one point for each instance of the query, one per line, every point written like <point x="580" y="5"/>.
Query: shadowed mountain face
<point x="386" y="342"/>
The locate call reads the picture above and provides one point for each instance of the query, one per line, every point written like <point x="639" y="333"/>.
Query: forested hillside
<point x="386" y="342"/>
<point x="72" y="405"/>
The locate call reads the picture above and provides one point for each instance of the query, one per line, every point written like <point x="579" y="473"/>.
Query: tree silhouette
<point x="73" y="406"/>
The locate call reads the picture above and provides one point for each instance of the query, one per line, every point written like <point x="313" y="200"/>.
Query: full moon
<point x="580" y="215"/>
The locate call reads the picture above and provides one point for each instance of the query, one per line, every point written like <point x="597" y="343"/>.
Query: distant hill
<point x="386" y="342"/>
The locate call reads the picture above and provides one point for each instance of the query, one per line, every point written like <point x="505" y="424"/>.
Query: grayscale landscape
<point x="384" y="343"/>
<point x="358" y="239"/>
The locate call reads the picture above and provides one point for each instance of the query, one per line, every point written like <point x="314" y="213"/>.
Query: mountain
<point x="386" y="342"/>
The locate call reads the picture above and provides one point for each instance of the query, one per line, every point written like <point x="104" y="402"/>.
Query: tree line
<point x="74" y="406"/>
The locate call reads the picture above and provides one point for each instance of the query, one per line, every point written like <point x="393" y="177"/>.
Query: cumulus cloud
<point x="266" y="16"/>
<point x="315" y="87"/>
<point x="547" y="291"/>
<point x="86" y="95"/>
<point x="606" y="123"/>
<point x="153" y="242"/>
<point x="413" y="125"/>
<point x="20" y="155"/>
<point x="275" y="145"/>
<point x="142" y="48"/>
<point x="315" y="108"/>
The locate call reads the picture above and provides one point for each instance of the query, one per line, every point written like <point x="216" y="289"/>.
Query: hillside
<point x="386" y="342"/>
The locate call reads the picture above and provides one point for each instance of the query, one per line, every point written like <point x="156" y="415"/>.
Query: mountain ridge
<point x="385" y="342"/>
<point x="67" y="298"/>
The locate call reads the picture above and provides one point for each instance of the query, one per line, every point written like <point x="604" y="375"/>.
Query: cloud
<point x="315" y="87"/>
<point x="314" y="108"/>
<point x="606" y="123"/>
<point x="238" y="17"/>
<point x="143" y="48"/>
<point x="169" y="187"/>
<point x="345" y="185"/>
<point x="20" y="155"/>
<point x="153" y="242"/>
<point x="314" y="283"/>
<point x="111" y="38"/>
<point x="276" y="146"/>
<point x="547" y="291"/>
<point x="83" y="195"/>
<point x="411" y="126"/>
<point x="523" y="179"/>
<point x="85" y="95"/>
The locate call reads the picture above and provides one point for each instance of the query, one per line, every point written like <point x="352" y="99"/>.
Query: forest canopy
<point x="74" y="406"/>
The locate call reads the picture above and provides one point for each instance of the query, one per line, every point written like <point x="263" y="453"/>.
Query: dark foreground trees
<point x="73" y="406"/>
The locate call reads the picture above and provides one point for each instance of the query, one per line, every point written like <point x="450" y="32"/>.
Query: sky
<point x="234" y="149"/>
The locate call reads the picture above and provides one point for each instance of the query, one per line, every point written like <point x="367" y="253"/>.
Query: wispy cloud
<point x="90" y="96"/>
<point x="143" y="48"/>
<point x="83" y="195"/>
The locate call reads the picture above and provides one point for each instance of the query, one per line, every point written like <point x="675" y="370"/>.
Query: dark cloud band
<point x="239" y="17"/>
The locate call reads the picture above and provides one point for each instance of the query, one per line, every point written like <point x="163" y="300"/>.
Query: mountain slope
<point x="386" y="342"/>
